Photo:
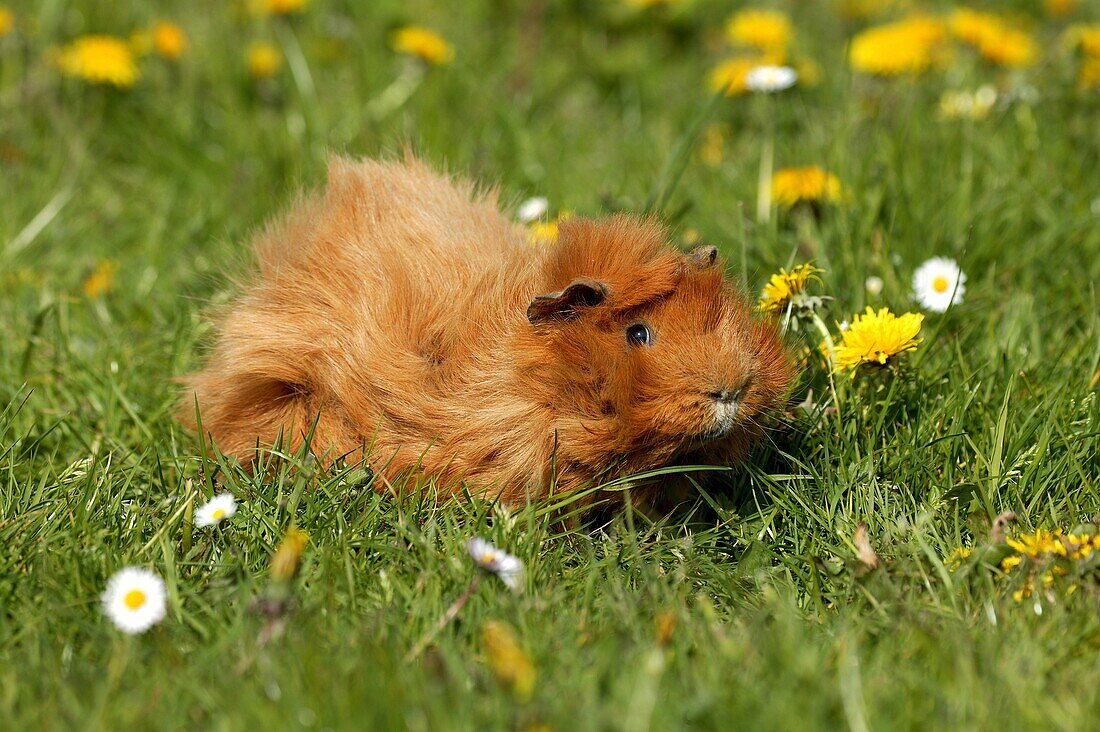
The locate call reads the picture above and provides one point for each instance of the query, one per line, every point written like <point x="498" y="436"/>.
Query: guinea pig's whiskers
<point x="763" y="429"/>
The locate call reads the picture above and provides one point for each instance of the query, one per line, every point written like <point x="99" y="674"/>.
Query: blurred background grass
<point x="773" y="625"/>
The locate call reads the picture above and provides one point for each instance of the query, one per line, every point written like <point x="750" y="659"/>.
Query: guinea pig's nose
<point x="727" y="394"/>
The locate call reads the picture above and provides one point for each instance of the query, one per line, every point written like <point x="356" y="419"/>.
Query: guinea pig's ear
<point x="703" y="257"/>
<point x="582" y="292"/>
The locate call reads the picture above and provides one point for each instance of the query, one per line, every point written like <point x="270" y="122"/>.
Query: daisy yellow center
<point x="940" y="284"/>
<point x="218" y="514"/>
<point x="488" y="557"/>
<point x="134" y="599"/>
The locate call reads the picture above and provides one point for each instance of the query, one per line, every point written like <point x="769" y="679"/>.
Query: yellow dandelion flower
<point x="970" y="26"/>
<point x="810" y="184"/>
<point x="288" y="555"/>
<point x="1052" y="549"/>
<point x="993" y="37"/>
<point x="926" y="28"/>
<point x="101" y="278"/>
<point x="908" y="46"/>
<point x="767" y="30"/>
<point x="1091" y="542"/>
<point x="1060" y="8"/>
<point x="875" y="338"/>
<point x="784" y="286"/>
<point x="546" y="232"/>
<point x="956" y="558"/>
<point x="7" y="20"/>
<point x="99" y="60"/>
<point x="423" y="43"/>
<point x="264" y="59"/>
<point x="1090" y="40"/>
<point x="510" y="664"/>
<point x="1055" y="544"/>
<point x="277" y="7"/>
<point x="168" y="39"/>
<point x="1010" y="47"/>
<point x="1084" y="36"/>
<point x="1081" y="546"/>
<point x="1039" y="543"/>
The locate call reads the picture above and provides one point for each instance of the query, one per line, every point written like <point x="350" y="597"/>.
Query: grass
<point x="746" y="607"/>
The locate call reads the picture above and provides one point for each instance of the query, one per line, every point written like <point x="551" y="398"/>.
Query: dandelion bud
<point x="287" y="558"/>
<point x="508" y="661"/>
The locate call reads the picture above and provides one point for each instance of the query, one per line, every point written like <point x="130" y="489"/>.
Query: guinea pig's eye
<point x="639" y="334"/>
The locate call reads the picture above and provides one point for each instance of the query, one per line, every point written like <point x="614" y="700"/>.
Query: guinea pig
<point x="402" y="319"/>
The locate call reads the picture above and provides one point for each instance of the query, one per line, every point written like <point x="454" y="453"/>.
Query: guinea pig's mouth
<point x="723" y="423"/>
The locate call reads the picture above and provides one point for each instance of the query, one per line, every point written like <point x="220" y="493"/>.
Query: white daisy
<point x="135" y="599"/>
<point x="532" y="209"/>
<point x="500" y="563"/>
<point x="771" y="78"/>
<point x="939" y="283"/>
<point x="214" y="511"/>
<point x="874" y="285"/>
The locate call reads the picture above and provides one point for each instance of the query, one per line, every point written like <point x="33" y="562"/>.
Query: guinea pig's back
<point x="387" y="296"/>
<point x="387" y="244"/>
<point x="403" y="218"/>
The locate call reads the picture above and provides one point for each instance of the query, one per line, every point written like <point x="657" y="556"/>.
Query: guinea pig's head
<point x="655" y="352"/>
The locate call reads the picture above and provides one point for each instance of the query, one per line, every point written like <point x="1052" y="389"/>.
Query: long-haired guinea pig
<point x="399" y="317"/>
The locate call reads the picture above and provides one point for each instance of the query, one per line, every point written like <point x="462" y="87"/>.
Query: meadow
<point x="910" y="549"/>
